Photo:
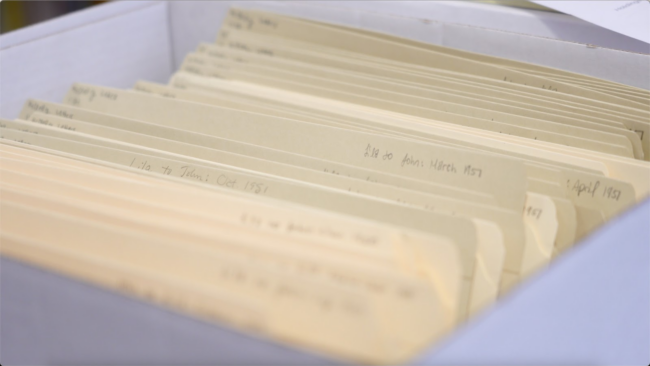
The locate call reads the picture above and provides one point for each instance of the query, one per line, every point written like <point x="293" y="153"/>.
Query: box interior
<point x="588" y="307"/>
<point x="116" y="44"/>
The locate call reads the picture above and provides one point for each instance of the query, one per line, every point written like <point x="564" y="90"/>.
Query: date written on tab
<point x="473" y="171"/>
<point x="594" y="188"/>
<point x="531" y="211"/>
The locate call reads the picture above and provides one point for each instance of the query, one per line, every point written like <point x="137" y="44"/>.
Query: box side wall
<point x="51" y="319"/>
<point x="71" y="20"/>
<point x="510" y="19"/>
<point x="119" y="49"/>
<point x="114" y="50"/>
<point x="590" y="307"/>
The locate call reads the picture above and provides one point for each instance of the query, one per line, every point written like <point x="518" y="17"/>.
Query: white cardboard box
<point x="592" y="306"/>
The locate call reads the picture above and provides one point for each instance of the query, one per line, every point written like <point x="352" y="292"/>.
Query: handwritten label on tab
<point x="533" y="212"/>
<point x="242" y="20"/>
<point x="411" y="160"/>
<point x="199" y="174"/>
<point x="609" y="195"/>
<point x="592" y="188"/>
<point x="46" y="122"/>
<point x="33" y="106"/>
<point x="79" y="91"/>
<point x="291" y="226"/>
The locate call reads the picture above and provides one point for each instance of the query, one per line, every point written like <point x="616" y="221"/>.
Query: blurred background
<point x="18" y="14"/>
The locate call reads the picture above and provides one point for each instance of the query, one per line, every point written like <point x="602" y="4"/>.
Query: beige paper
<point x="301" y="30"/>
<point x="459" y="229"/>
<point x="420" y="161"/>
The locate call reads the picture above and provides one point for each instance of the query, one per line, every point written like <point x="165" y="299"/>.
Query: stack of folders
<point x="347" y="192"/>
